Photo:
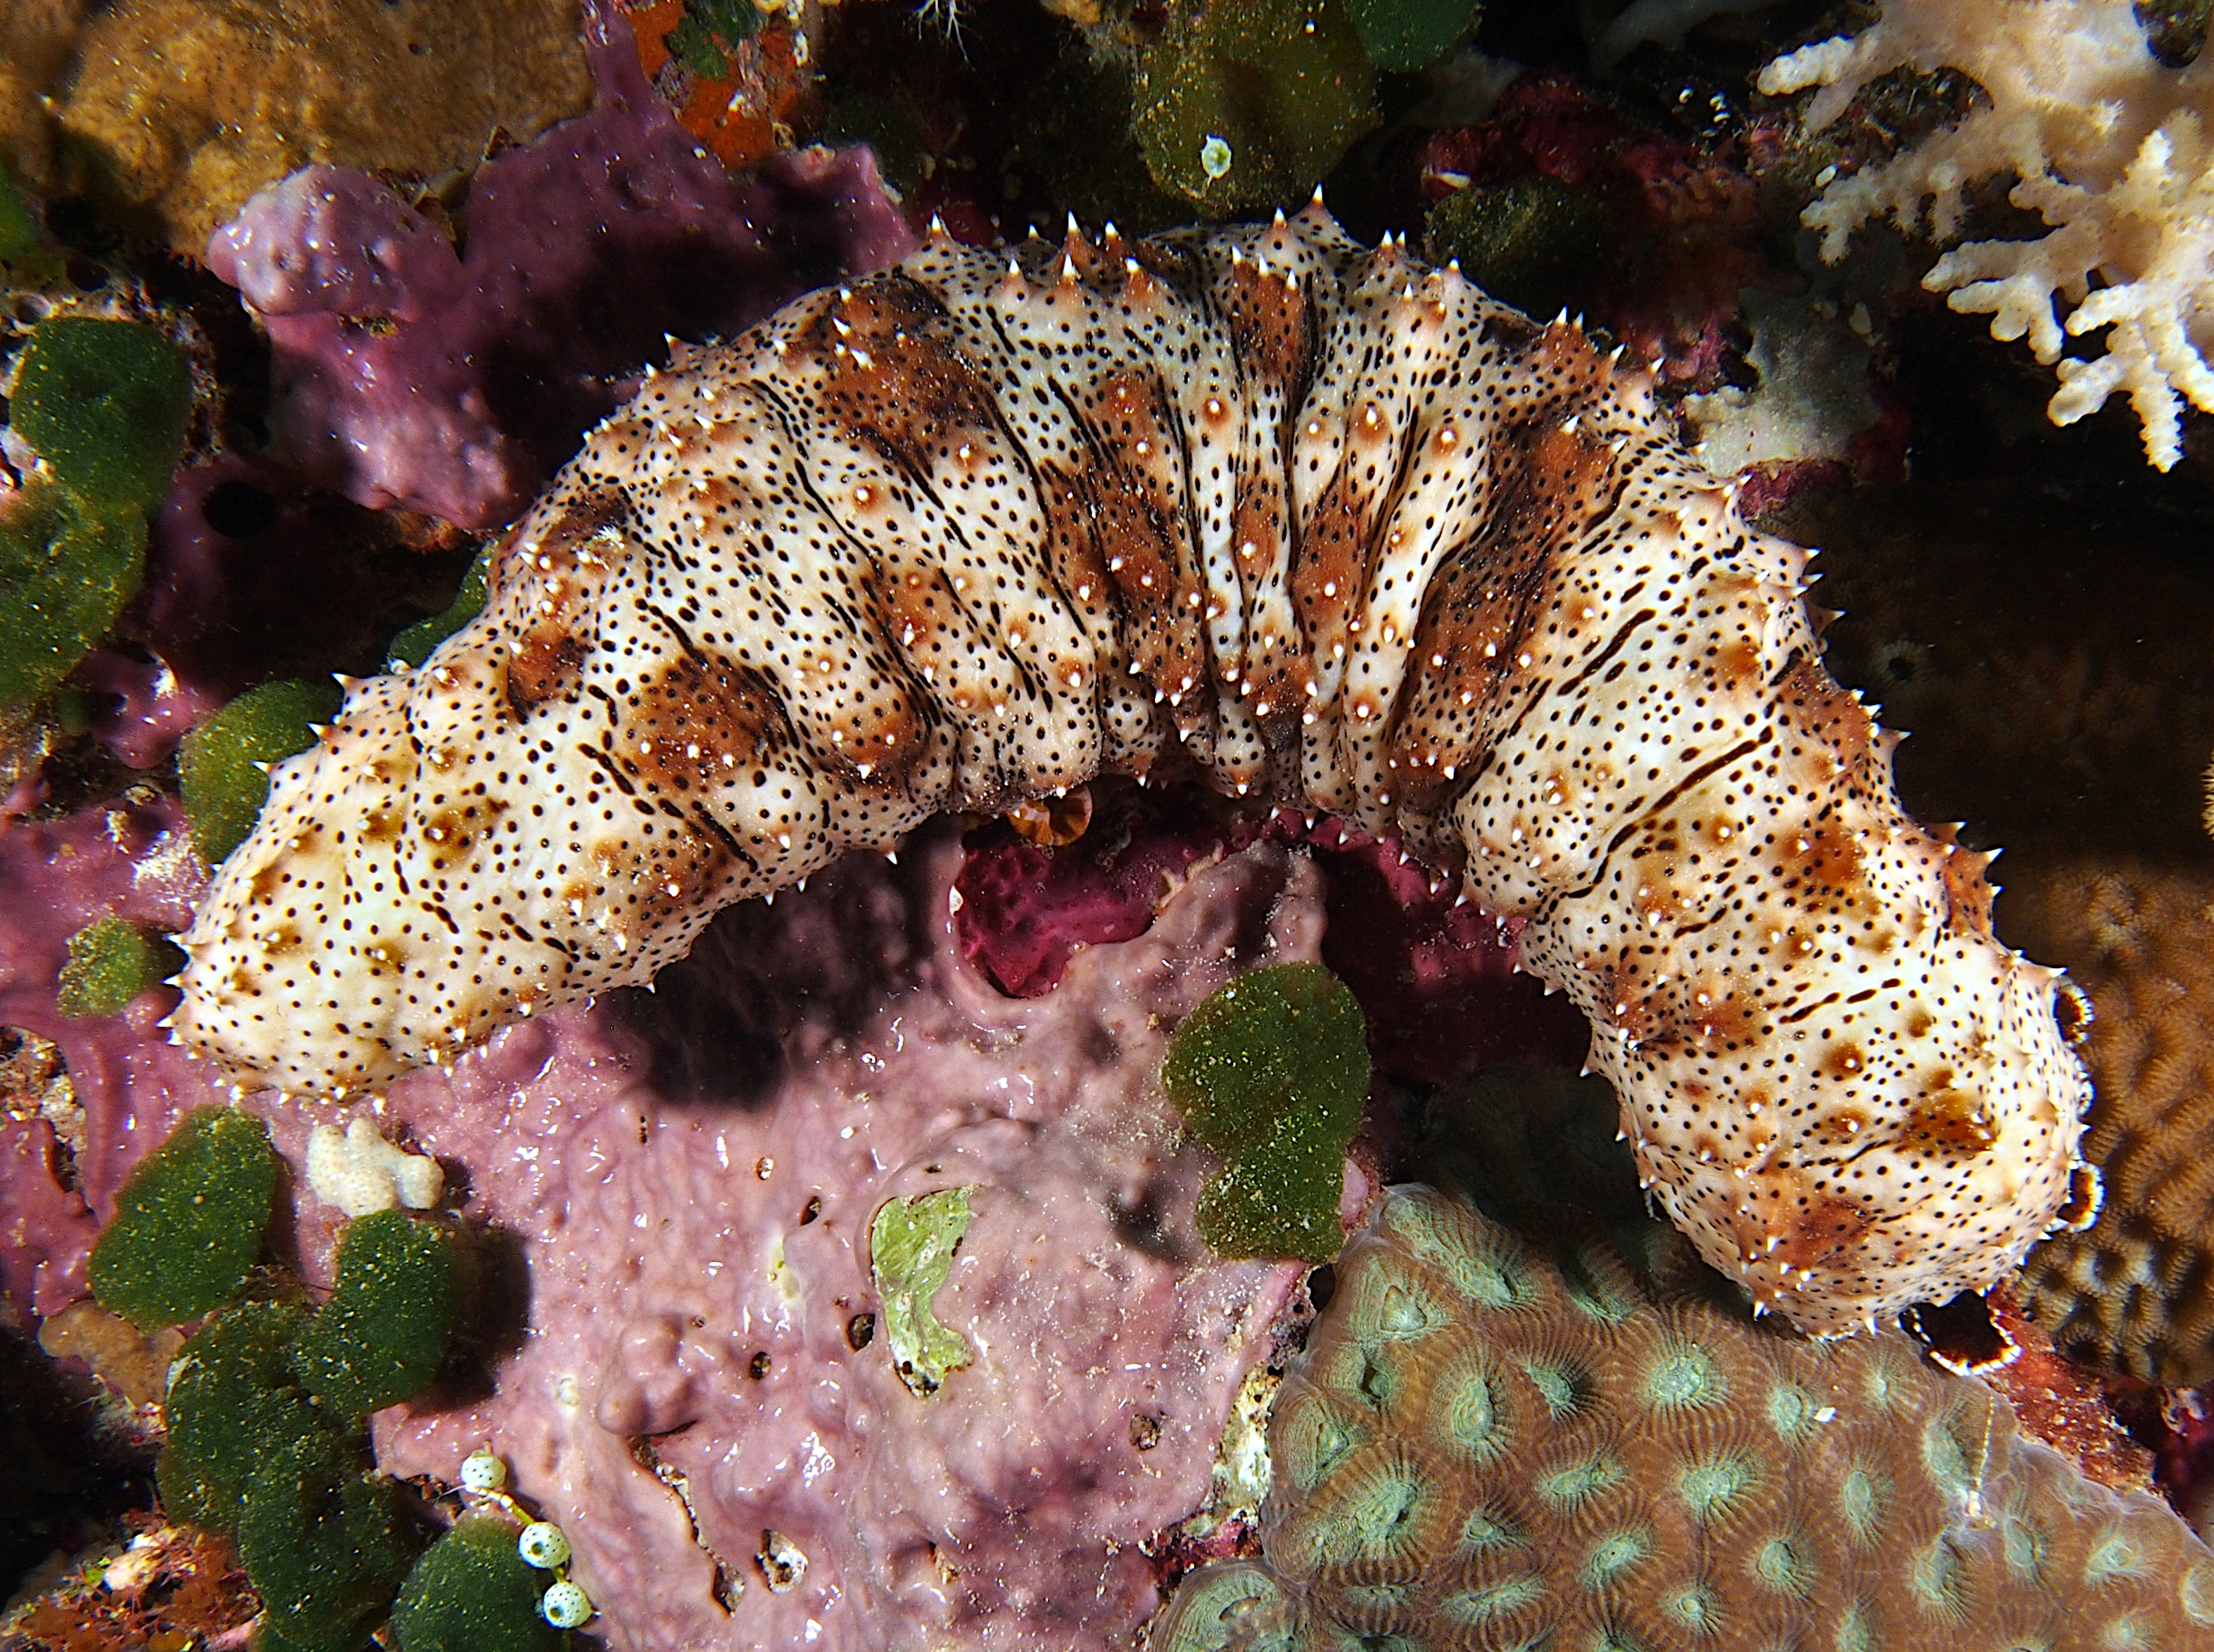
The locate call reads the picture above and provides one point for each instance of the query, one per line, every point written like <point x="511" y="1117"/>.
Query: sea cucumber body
<point x="1317" y="522"/>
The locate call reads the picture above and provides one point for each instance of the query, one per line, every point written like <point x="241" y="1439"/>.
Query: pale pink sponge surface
<point x="1308" y="520"/>
<point x="690" y="1180"/>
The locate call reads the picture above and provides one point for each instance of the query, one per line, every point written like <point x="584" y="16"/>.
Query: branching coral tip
<point x="543" y="1544"/>
<point x="483" y="1472"/>
<point x="565" y="1605"/>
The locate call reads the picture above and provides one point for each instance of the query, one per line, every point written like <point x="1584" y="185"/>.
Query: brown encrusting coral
<point x="172" y="113"/>
<point x="1312" y="521"/>
<point x="2135" y="1294"/>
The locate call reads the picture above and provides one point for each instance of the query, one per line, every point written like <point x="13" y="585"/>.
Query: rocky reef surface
<point x="849" y="1288"/>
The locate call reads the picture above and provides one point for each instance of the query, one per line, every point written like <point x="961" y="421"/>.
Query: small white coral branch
<point x="2109" y="148"/>
<point x="1840" y="67"/>
<point x="359" y="1172"/>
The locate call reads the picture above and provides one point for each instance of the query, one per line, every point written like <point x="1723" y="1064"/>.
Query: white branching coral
<point x="2110" y="149"/>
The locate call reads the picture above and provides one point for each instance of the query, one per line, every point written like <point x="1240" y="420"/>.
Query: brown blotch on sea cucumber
<point x="543" y="664"/>
<point x="891" y="378"/>
<point x="1950" y="1123"/>
<point x="1330" y="569"/>
<point x="1967" y="891"/>
<point x="699" y="724"/>
<point x="1485" y="601"/>
<point x="1270" y="326"/>
<point x="1815" y="1230"/>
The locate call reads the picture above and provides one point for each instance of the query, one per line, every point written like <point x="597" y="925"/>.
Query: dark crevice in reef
<point x="66" y="1467"/>
<point x="712" y="1028"/>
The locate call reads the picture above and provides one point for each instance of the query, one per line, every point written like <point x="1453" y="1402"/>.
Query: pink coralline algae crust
<point x="143" y="707"/>
<point x="55" y="878"/>
<point x="1435" y="975"/>
<point x="690" y="1178"/>
<point x="406" y="374"/>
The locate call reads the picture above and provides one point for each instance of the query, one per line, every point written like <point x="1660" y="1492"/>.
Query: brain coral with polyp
<point x="1486" y="1446"/>
<point x="1309" y="522"/>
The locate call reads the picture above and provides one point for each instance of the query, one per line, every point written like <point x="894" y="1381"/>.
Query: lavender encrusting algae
<point x="690" y="1179"/>
<point x="409" y="373"/>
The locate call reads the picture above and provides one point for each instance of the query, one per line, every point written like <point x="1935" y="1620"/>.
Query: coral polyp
<point x="1486" y="1446"/>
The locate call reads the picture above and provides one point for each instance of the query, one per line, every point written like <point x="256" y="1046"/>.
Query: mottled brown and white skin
<point x="1316" y="522"/>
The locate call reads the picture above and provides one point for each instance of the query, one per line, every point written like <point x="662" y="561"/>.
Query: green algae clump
<point x="911" y="1247"/>
<point x="65" y="573"/>
<point x="231" y="1403"/>
<point x="1279" y="1200"/>
<point x="1528" y="243"/>
<point x="1271" y="1072"/>
<point x="709" y="30"/>
<point x="106" y="404"/>
<point x="383" y="1334"/>
<point x="1402" y="35"/>
<point x="265" y="1443"/>
<point x="20" y="229"/>
<point x="222" y="785"/>
<point x="1247" y="103"/>
<point x="189" y="1222"/>
<point x="471" y="1592"/>
<point x="325" y="1545"/>
<point x="111" y="961"/>
<point x="413" y="646"/>
<point x="1075" y="127"/>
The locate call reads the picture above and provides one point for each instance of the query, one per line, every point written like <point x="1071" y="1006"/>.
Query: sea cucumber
<point x="1308" y="521"/>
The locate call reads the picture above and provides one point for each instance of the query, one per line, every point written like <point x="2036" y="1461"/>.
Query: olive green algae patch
<point x="413" y="645"/>
<point x="65" y="573"/>
<point x="912" y="1242"/>
<point x="189" y="1222"/>
<point x="266" y="1402"/>
<point x="1406" y="34"/>
<point x="106" y="404"/>
<point x="1271" y="1072"/>
<point x="1530" y="242"/>
<point x="1248" y="103"/>
<point x="1280" y="1200"/>
<point x="111" y="961"/>
<point x="325" y="1545"/>
<point x="232" y="1402"/>
<point x="710" y="29"/>
<point x="222" y="781"/>
<point x="471" y="1592"/>
<point x="21" y="231"/>
<point x="383" y="1334"/>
